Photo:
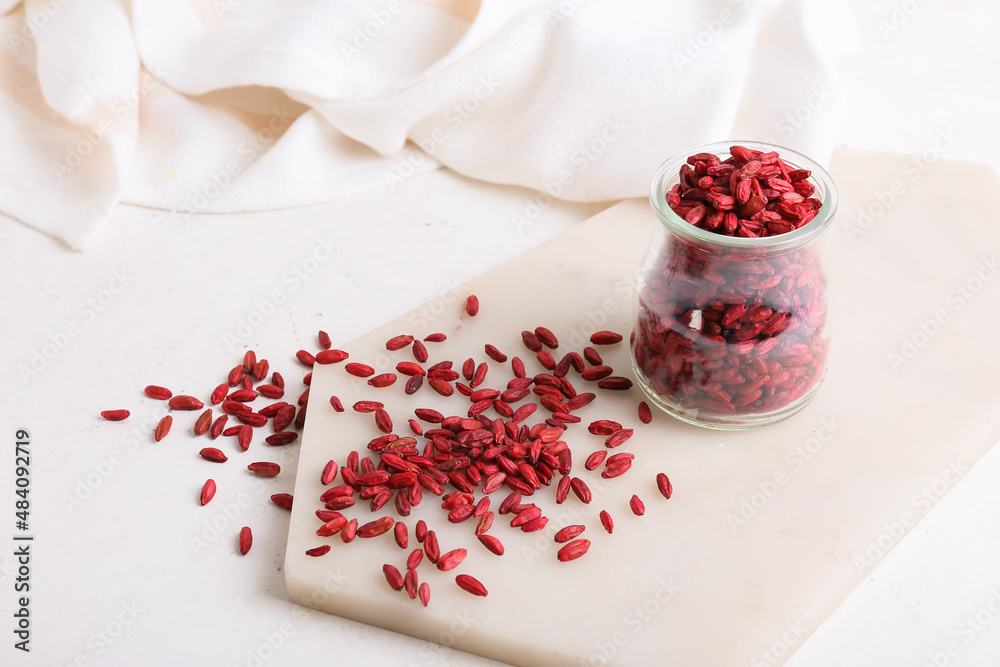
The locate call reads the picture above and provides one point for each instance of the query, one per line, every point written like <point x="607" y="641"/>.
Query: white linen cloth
<point x="239" y="105"/>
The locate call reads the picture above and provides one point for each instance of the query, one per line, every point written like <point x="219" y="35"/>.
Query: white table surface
<point x="115" y="579"/>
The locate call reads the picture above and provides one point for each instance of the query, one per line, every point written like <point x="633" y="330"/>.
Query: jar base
<point x="722" y="422"/>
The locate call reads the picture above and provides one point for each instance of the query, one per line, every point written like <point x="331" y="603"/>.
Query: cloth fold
<point x="215" y="106"/>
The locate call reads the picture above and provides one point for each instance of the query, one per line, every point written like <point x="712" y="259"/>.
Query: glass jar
<point x="730" y="330"/>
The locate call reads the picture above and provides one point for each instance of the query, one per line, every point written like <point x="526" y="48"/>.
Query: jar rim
<point x="669" y="173"/>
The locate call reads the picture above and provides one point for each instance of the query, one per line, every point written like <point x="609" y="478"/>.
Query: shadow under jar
<point x="730" y="327"/>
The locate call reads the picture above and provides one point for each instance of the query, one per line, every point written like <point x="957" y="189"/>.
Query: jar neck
<point x="668" y="175"/>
